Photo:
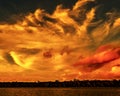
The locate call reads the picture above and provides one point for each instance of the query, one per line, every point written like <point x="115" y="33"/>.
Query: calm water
<point x="59" y="91"/>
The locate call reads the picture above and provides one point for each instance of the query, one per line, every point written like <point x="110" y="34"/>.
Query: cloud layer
<point x="69" y="43"/>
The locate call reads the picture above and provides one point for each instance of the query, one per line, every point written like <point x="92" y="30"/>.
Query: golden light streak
<point x="26" y="63"/>
<point x="116" y="23"/>
<point x="116" y="70"/>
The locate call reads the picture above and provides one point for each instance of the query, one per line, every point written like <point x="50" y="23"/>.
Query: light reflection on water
<point x="59" y="91"/>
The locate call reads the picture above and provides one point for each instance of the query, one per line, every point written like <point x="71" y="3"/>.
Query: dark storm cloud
<point x="14" y="10"/>
<point x="105" y="6"/>
<point x="10" y="8"/>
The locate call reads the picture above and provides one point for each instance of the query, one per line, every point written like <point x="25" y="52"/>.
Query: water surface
<point x="59" y="91"/>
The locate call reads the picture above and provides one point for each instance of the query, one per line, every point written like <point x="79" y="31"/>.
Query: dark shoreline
<point x="63" y="84"/>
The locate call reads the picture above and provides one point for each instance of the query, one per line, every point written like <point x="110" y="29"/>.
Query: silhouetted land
<point x="58" y="84"/>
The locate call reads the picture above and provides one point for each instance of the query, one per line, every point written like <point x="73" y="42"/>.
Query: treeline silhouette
<point x="58" y="84"/>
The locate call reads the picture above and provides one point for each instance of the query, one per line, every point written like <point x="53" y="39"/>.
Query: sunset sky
<point x="59" y="40"/>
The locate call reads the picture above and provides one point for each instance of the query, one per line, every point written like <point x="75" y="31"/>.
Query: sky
<point x="43" y="40"/>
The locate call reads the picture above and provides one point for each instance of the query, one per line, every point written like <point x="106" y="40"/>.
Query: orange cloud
<point x="99" y="59"/>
